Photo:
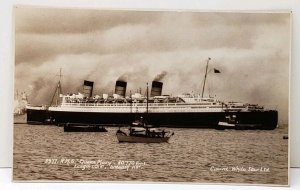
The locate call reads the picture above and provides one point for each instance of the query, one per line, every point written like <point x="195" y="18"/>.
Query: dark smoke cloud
<point x="250" y="50"/>
<point x="160" y="76"/>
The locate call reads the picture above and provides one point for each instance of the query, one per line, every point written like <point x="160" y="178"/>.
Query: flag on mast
<point x="217" y="71"/>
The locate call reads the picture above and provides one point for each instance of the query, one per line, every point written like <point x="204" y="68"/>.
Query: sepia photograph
<point x="151" y="96"/>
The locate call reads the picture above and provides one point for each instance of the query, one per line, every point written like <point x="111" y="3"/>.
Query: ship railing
<point x="270" y="107"/>
<point x="137" y="104"/>
<point x="250" y="108"/>
<point x="42" y="107"/>
<point x="144" y="109"/>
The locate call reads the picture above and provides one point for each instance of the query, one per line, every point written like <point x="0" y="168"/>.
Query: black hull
<point x="266" y="119"/>
<point x="37" y="117"/>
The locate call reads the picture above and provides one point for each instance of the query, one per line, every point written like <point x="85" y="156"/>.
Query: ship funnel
<point x="120" y="88"/>
<point x="156" y="88"/>
<point x="88" y="88"/>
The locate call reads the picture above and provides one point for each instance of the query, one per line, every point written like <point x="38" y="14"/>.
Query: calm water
<point x="193" y="155"/>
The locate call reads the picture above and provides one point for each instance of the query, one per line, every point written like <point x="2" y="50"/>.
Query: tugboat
<point x="232" y="122"/>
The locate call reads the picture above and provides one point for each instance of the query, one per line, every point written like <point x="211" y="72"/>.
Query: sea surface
<point x="43" y="152"/>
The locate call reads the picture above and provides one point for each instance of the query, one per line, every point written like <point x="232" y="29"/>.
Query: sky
<point x="251" y="50"/>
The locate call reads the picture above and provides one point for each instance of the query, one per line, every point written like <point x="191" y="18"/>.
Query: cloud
<point x="130" y="31"/>
<point x="40" y="20"/>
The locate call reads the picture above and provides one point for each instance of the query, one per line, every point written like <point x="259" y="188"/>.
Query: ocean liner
<point x="185" y="110"/>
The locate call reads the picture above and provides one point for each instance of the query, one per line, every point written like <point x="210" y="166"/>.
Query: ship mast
<point x="205" y="76"/>
<point x="147" y="98"/>
<point x="58" y="89"/>
<point x="130" y="101"/>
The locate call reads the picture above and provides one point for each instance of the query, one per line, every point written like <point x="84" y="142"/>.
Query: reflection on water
<point x="193" y="155"/>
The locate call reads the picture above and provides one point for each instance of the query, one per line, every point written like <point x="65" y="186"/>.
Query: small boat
<point x="232" y="122"/>
<point x="144" y="135"/>
<point x="140" y="132"/>
<point x="83" y="128"/>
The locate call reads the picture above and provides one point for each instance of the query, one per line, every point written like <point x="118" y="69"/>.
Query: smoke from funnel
<point x="160" y="76"/>
<point x="123" y="78"/>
